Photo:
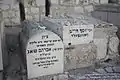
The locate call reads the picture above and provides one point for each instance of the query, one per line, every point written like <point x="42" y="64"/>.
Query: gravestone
<point x="43" y="50"/>
<point x="77" y="36"/>
<point x="104" y="36"/>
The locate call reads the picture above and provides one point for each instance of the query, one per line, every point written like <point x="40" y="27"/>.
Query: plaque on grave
<point x="43" y="49"/>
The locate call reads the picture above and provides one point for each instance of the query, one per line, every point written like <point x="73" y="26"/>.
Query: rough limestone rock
<point x="79" y="56"/>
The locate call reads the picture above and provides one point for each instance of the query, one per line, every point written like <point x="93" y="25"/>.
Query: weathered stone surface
<point x="67" y="2"/>
<point x="101" y="70"/>
<point x="54" y="2"/>
<point x="116" y="69"/>
<point x="113" y="46"/>
<point x="100" y="39"/>
<point x="109" y="69"/>
<point x="79" y="56"/>
<point x="79" y="9"/>
<point x="89" y="8"/>
<point x="103" y="1"/>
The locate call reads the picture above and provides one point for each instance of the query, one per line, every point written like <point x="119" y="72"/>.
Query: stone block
<point x="101" y="70"/>
<point x="96" y="1"/>
<point x="89" y="8"/>
<point x="16" y="21"/>
<point x="77" y="2"/>
<point x="7" y="21"/>
<point x="103" y="1"/>
<point x="113" y="47"/>
<point x="63" y="77"/>
<point x="27" y="10"/>
<point x="84" y="2"/>
<point x="109" y="69"/>
<point x="48" y="49"/>
<point x="55" y="2"/>
<point x="29" y="3"/>
<point x="35" y="10"/>
<point x="101" y="47"/>
<point x="67" y="2"/>
<point x="40" y="2"/>
<point x="5" y="7"/>
<point x="78" y="56"/>
<point x="100" y="40"/>
<point x="79" y="9"/>
<point x="116" y="69"/>
<point x="36" y="18"/>
<point x="5" y="14"/>
<point x="29" y="17"/>
<point x="11" y="13"/>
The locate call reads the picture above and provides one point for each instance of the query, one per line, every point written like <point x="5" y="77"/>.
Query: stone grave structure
<point x="80" y="51"/>
<point x="43" y="50"/>
<point x="105" y="37"/>
<point x="93" y="39"/>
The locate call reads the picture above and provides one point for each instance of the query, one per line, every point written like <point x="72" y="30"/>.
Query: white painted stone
<point x="44" y="51"/>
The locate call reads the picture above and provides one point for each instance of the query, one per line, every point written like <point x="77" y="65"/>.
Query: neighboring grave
<point x="104" y="36"/>
<point x="80" y="51"/>
<point x="43" y="49"/>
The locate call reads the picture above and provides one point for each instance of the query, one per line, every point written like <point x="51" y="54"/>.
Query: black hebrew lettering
<point x="34" y="42"/>
<point x="89" y="30"/>
<point x="44" y="49"/>
<point x="50" y="44"/>
<point x="44" y="36"/>
<point x="79" y="35"/>
<point x="42" y="45"/>
<point x="32" y="51"/>
<point x="45" y="54"/>
<point x="39" y="41"/>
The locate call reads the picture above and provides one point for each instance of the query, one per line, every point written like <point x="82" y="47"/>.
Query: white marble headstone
<point x="78" y="34"/>
<point x="44" y="54"/>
